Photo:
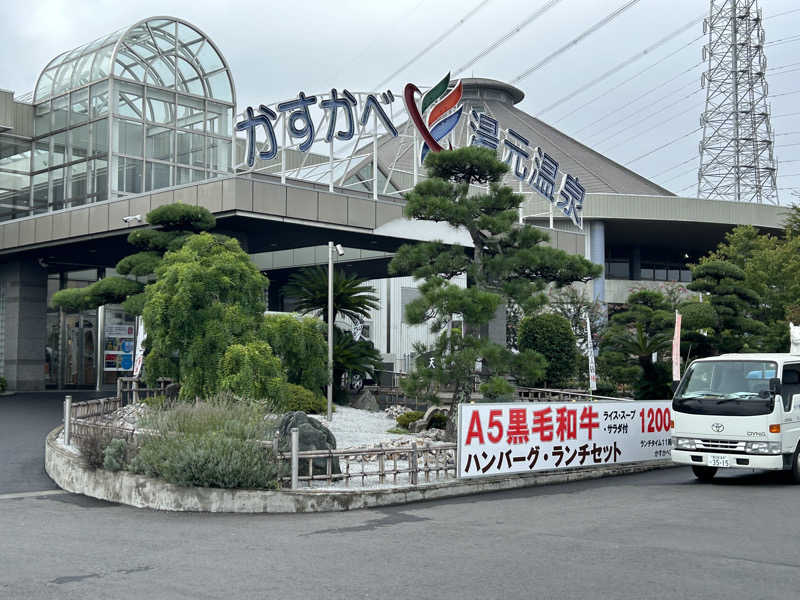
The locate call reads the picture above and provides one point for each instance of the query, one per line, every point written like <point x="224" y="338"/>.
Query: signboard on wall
<point x="345" y="121"/>
<point x="502" y="439"/>
<point x="118" y="342"/>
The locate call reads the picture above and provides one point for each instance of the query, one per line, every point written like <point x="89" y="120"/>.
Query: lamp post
<point x="340" y="251"/>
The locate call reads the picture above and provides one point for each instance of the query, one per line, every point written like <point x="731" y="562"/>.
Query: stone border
<point x="71" y="473"/>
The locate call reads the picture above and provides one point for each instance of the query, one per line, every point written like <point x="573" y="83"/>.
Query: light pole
<point x="340" y="251"/>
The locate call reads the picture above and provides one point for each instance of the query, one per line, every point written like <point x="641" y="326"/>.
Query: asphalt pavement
<point x="659" y="534"/>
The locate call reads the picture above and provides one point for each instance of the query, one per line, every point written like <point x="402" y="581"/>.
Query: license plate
<point x="718" y="460"/>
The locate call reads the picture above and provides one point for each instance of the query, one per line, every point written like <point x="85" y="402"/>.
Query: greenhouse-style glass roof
<point x="159" y="51"/>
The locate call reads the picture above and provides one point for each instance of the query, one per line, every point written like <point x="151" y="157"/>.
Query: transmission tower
<point x="736" y="160"/>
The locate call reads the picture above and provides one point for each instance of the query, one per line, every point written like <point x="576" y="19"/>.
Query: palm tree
<point x="353" y="298"/>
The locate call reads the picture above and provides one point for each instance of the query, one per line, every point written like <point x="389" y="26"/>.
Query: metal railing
<point x="549" y="395"/>
<point x="358" y="465"/>
<point x="130" y="390"/>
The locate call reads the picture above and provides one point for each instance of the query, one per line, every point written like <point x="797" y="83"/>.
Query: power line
<point x="378" y="38"/>
<point x="639" y="111"/>
<point x="791" y="114"/>
<point x="600" y="24"/>
<point x="785" y="94"/>
<point x="786" y="12"/>
<point x="680" y="164"/>
<point x="682" y="173"/>
<point x="631" y="78"/>
<point x="647" y="93"/>
<point x="508" y="35"/>
<point x="621" y="65"/>
<point x="654" y="150"/>
<point x="656" y="126"/>
<point x="433" y="44"/>
<point x="647" y="118"/>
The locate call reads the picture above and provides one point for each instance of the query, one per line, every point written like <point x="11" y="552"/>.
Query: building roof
<point x="596" y="172"/>
<point x="161" y="51"/>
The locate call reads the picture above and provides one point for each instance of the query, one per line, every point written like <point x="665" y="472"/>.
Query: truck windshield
<point x="730" y="387"/>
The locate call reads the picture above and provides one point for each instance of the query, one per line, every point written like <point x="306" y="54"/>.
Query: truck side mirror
<point x="775" y="385"/>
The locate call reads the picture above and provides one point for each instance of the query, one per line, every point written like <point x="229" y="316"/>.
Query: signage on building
<point x="118" y="344"/>
<point x="501" y="439"/>
<point x="350" y="120"/>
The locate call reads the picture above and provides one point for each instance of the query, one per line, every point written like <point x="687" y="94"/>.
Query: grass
<point x="401" y="430"/>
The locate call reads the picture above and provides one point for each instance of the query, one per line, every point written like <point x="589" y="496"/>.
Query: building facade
<point x="147" y="116"/>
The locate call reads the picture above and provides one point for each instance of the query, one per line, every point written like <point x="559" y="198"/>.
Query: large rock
<point x="365" y="401"/>
<point x="312" y="435"/>
<point x="425" y="422"/>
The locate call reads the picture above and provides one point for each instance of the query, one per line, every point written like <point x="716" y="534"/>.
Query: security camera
<point x="41" y="262"/>
<point x="130" y="218"/>
<point x="339" y="249"/>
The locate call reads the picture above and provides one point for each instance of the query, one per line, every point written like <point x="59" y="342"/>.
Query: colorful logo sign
<point x="434" y="118"/>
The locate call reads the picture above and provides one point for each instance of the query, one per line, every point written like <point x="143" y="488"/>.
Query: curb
<point x="71" y="473"/>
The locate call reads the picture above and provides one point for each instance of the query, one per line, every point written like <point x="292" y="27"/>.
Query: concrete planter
<point x="71" y="473"/>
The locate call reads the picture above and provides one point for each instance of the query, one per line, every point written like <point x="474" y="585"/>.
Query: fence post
<point x="295" y="458"/>
<point x="381" y="464"/>
<point x="412" y="464"/>
<point x="119" y="390"/>
<point x="67" y="419"/>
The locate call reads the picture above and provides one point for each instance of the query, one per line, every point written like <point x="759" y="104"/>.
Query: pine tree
<point x="507" y="262"/>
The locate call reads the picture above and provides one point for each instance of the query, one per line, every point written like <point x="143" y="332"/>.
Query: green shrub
<point x="409" y="417"/>
<point x="222" y="413"/>
<point x="182" y="216"/>
<point x="115" y="455"/>
<point x="210" y="459"/>
<point x="3" y="384"/>
<point x="550" y="335"/>
<point x="301" y="346"/>
<point x="497" y="389"/>
<point x="93" y="445"/>
<point x="299" y="398"/>
<point x="252" y="371"/>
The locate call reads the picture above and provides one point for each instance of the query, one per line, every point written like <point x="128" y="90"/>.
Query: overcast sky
<point x="276" y="49"/>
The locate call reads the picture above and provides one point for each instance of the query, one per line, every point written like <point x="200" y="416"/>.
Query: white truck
<point x="738" y="411"/>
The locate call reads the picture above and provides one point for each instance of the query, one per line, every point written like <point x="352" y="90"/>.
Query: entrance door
<point x="80" y="350"/>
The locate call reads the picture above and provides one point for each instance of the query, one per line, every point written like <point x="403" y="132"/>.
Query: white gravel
<point x="354" y="428"/>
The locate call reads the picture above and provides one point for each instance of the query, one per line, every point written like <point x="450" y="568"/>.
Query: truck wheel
<point x="796" y="465"/>
<point x="704" y="473"/>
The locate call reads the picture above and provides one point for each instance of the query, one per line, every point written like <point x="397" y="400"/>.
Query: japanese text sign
<point x="501" y="439"/>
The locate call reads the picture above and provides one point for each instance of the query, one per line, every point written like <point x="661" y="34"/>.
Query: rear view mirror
<point x="775" y="385"/>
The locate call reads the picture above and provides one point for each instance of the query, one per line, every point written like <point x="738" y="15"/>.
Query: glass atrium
<point x="147" y="107"/>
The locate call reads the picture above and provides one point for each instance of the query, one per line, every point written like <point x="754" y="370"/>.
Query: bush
<point x="93" y="446"/>
<point x="301" y="346"/>
<point x="299" y="398"/>
<point x="222" y="413"/>
<point x="252" y="371"/>
<point x="209" y="459"/>
<point x="115" y="455"/>
<point x="497" y="389"/>
<point x="550" y="335"/>
<point x="406" y="419"/>
<point x="3" y="384"/>
<point x="211" y="444"/>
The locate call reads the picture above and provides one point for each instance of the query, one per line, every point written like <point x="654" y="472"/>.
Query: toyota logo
<point x="717" y="427"/>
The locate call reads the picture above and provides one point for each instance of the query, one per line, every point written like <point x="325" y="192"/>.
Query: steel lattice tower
<point x="736" y="159"/>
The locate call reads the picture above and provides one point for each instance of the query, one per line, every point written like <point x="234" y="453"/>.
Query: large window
<point x="152" y="103"/>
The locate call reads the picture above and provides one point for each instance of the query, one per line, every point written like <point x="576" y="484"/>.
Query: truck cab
<point x="738" y="411"/>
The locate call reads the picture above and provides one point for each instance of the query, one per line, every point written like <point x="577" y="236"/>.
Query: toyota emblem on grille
<point x="717" y="427"/>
